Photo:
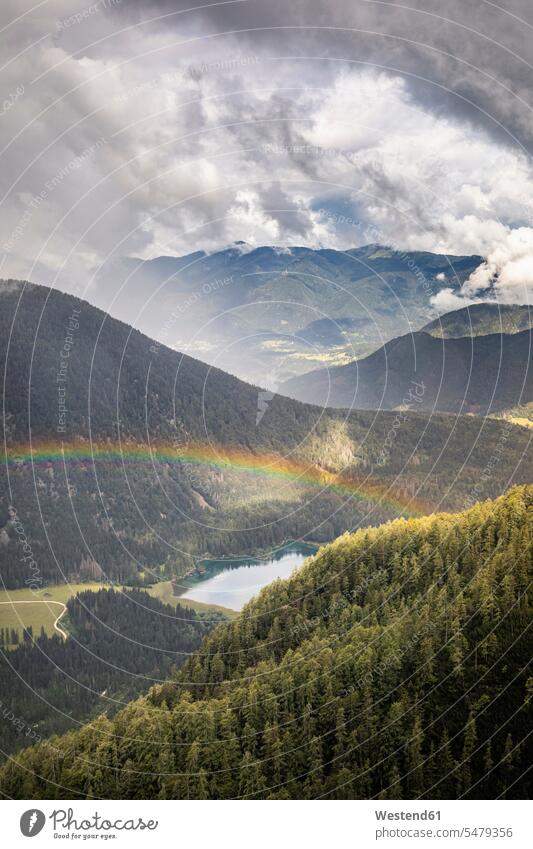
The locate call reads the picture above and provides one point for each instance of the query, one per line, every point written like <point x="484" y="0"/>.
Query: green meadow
<point x="23" y="608"/>
<point x="32" y="611"/>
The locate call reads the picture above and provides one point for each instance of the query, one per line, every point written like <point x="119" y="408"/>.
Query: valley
<point x="267" y="314"/>
<point x="151" y="520"/>
<point x="393" y="664"/>
<point x="164" y="462"/>
<point x="266" y="493"/>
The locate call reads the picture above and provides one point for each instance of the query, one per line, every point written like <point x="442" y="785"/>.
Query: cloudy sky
<point x="133" y="128"/>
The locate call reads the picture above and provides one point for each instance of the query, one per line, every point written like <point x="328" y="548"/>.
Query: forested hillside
<point x="161" y="460"/>
<point x="473" y="374"/>
<point x="394" y="664"/>
<point x="119" y="644"/>
<point x="481" y="320"/>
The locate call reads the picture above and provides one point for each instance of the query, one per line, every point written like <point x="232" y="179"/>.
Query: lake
<point x="231" y="583"/>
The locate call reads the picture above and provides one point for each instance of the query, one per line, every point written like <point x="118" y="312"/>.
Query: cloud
<point x="447" y="300"/>
<point x="506" y="276"/>
<point x="211" y="136"/>
<point x="472" y="60"/>
<point x="507" y="272"/>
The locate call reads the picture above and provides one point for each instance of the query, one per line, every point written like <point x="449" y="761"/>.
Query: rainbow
<point x="290" y="470"/>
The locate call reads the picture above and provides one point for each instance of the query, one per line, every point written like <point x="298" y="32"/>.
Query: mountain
<point x="267" y="313"/>
<point x="392" y="665"/>
<point x="129" y="462"/>
<point x="481" y="320"/>
<point x="479" y="374"/>
<point x="145" y="460"/>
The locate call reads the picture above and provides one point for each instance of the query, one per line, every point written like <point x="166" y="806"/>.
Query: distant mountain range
<point x="266" y="314"/>
<point x="132" y="461"/>
<point x="481" y="374"/>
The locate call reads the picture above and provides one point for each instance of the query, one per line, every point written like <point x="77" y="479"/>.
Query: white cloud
<point x="447" y="300"/>
<point x="505" y="276"/>
<point x="508" y="269"/>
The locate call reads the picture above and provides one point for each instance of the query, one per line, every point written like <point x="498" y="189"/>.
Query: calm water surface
<point x="232" y="583"/>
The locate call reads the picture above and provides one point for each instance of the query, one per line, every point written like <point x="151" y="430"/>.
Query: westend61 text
<point x="407" y="815"/>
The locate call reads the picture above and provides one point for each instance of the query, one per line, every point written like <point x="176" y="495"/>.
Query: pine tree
<point x="465" y="773"/>
<point x="251" y="782"/>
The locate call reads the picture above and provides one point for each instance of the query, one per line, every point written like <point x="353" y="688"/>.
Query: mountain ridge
<point x="480" y="374"/>
<point x="481" y="320"/>
<point x="251" y="310"/>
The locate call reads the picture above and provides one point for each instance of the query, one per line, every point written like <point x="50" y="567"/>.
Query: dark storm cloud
<point x="471" y="59"/>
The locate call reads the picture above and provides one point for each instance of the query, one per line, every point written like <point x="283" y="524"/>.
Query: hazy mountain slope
<point x="268" y="313"/>
<point x="189" y="461"/>
<point x="392" y="665"/>
<point x="481" y="320"/>
<point x="483" y="374"/>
